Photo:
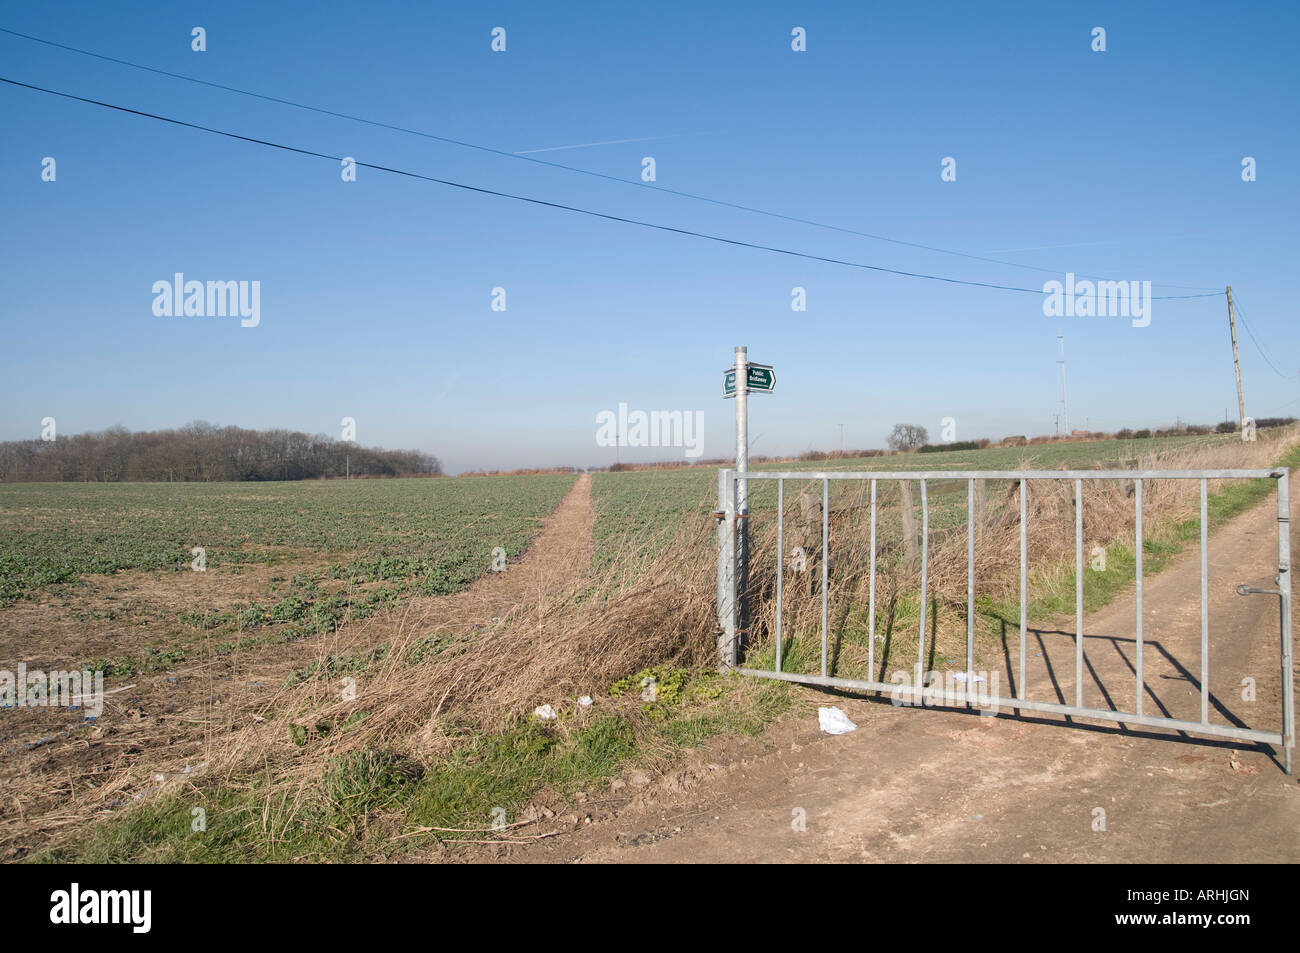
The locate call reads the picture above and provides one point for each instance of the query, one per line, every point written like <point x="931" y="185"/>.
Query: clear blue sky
<point x="376" y="294"/>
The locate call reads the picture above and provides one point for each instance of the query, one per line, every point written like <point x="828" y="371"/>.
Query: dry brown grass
<point x="576" y="637"/>
<point x="573" y="641"/>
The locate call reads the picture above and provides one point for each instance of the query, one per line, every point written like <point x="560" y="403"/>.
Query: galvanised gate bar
<point x="733" y="557"/>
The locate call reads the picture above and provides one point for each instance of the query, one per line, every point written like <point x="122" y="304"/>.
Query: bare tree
<point x="907" y="437"/>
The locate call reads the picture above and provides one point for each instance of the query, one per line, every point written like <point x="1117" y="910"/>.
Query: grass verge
<point x="370" y="805"/>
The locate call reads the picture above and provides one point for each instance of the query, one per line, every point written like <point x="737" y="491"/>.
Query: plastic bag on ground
<point x="834" y="722"/>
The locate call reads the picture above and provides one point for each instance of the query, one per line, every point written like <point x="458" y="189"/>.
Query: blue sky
<point x="376" y="294"/>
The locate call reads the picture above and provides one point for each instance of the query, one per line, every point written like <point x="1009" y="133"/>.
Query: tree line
<point x="204" y="452"/>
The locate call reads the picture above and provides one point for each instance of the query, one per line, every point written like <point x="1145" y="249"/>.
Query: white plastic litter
<point x="964" y="676"/>
<point x="834" y="722"/>
<point x="585" y="701"/>
<point x="545" y="712"/>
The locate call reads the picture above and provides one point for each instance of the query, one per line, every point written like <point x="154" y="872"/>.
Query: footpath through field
<point x="557" y="558"/>
<point x="938" y="785"/>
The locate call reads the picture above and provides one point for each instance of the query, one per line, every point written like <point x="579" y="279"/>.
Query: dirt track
<point x="950" y="786"/>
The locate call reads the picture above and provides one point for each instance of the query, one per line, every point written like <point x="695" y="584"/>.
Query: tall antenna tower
<point x="1060" y="363"/>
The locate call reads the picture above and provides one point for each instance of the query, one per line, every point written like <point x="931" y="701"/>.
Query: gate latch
<point x="1252" y="591"/>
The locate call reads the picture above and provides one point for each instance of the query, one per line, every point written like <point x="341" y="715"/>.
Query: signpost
<point x="760" y="379"/>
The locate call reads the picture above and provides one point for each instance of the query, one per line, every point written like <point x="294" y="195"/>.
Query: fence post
<point x="1284" y="590"/>
<point x="726" y="569"/>
<point x="909" y="523"/>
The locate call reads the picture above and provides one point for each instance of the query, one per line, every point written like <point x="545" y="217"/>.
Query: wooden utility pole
<point x="1236" y="363"/>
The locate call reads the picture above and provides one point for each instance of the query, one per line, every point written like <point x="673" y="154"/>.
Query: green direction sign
<point x="761" y="380"/>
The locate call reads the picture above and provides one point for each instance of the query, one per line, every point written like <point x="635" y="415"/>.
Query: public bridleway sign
<point x="760" y="380"/>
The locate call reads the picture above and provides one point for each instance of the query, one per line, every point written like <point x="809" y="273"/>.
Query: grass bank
<point x="373" y="804"/>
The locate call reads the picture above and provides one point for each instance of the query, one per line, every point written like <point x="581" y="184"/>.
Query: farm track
<point x="954" y="787"/>
<point x="158" y="724"/>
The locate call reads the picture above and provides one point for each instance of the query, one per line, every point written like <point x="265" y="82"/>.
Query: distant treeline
<point x="202" y="451"/>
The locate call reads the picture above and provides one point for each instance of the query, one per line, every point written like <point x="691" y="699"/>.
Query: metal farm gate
<point x="733" y="612"/>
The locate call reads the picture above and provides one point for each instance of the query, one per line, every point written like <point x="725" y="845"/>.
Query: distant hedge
<point x="955" y="445"/>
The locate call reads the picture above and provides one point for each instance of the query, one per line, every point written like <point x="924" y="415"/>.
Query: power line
<point x="543" y="202"/>
<point x="555" y="165"/>
<point x="1236" y="300"/>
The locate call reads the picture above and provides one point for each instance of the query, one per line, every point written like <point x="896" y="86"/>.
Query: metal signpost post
<point x="733" y="509"/>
